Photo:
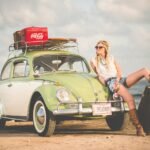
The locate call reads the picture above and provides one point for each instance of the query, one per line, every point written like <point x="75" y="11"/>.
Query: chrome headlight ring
<point x="62" y="95"/>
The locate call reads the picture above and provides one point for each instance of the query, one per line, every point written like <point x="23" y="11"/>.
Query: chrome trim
<point x="41" y="115"/>
<point x="81" y="110"/>
<point x="77" y="111"/>
<point x="19" y="118"/>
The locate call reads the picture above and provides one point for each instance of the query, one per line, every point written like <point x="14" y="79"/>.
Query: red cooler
<point x="30" y="36"/>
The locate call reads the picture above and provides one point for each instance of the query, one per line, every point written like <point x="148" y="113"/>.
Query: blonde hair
<point x="106" y="46"/>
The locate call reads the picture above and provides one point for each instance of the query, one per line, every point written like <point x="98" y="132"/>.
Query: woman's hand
<point x="116" y="86"/>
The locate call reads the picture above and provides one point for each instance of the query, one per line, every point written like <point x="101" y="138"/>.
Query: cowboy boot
<point x="136" y="123"/>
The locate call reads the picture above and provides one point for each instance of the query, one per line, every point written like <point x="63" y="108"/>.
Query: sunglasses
<point x="98" y="47"/>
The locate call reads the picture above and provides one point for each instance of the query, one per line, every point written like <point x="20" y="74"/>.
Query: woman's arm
<point x="119" y="72"/>
<point x="101" y="79"/>
<point x="94" y="67"/>
<point x="119" y="75"/>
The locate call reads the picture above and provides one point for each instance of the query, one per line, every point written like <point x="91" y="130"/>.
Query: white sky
<point x="124" y="23"/>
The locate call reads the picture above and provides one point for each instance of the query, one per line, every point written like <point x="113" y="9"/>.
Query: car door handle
<point x="9" y="85"/>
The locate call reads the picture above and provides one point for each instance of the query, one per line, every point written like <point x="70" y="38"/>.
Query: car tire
<point x="144" y="110"/>
<point x="115" y="122"/>
<point x="2" y="123"/>
<point x="43" y="120"/>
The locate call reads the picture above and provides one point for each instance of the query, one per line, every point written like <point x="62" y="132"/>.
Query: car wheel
<point x="2" y="123"/>
<point x="115" y="122"/>
<point x="43" y="120"/>
<point x="144" y="110"/>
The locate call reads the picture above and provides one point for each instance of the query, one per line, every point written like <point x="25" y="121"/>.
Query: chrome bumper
<point x="80" y="110"/>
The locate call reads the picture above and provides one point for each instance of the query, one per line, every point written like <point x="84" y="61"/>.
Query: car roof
<point x="36" y="53"/>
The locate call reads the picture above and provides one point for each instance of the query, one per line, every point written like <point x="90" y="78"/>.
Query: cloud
<point x="125" y="24"/>
<point x="23" y="13"/>
<point x="124" y="11"/>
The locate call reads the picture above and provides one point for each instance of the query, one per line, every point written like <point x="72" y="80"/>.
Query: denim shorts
<point x="111" y="83"/>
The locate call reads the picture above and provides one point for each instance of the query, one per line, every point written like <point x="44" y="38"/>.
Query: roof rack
<point x="69" y="44"/>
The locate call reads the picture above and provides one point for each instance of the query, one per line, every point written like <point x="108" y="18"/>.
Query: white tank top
<point x="107" y="71"/>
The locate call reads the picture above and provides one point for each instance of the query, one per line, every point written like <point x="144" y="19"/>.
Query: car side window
<point x="21" y="69"/>
<point x="65" y="66"/>
<point x="6" y="72"/>
<point x="79" y="66"/>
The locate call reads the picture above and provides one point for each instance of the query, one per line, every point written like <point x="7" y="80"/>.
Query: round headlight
<point x="62" y="95"/>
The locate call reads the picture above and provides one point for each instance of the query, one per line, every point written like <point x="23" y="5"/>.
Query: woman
<point x="109" y="74"/>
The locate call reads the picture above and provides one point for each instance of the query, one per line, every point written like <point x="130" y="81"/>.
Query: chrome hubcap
<point x="41" y="115"/>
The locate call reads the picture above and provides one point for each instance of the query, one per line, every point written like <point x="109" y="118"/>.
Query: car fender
<point x="47" y="92"/>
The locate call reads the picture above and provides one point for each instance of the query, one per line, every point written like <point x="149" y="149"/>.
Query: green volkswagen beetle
<point x="48" y="84"/>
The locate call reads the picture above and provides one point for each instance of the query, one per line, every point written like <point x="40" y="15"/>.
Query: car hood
<point x="84" y="86"/>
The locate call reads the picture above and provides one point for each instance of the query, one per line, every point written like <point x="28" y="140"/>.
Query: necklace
<point x="103" y="61"/>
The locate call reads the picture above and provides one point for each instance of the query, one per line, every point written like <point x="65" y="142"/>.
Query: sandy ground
<point x="72" y="135"/>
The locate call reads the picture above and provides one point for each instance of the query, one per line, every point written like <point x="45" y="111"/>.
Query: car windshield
<point x="51" y="63"/>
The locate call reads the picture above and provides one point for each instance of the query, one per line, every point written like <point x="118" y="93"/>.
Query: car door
<point x="4" y="87"/>
<point x="20" y="90"/>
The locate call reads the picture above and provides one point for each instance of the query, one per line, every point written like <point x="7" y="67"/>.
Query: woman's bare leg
<point x="127" y="97"/>
<point x="132" y="110"/>
<point x="138" y="75"/>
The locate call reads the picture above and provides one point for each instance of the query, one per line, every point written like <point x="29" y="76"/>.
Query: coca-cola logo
<point x="37" y="36"/>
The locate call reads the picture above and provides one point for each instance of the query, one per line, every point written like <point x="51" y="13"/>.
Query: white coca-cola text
<point x="37" y="36"/>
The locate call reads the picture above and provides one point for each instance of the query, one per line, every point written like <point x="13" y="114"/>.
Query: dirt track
<point x="81" y="135"/>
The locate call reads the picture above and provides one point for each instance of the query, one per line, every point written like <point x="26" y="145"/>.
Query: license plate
<point x="101" y="109"/>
